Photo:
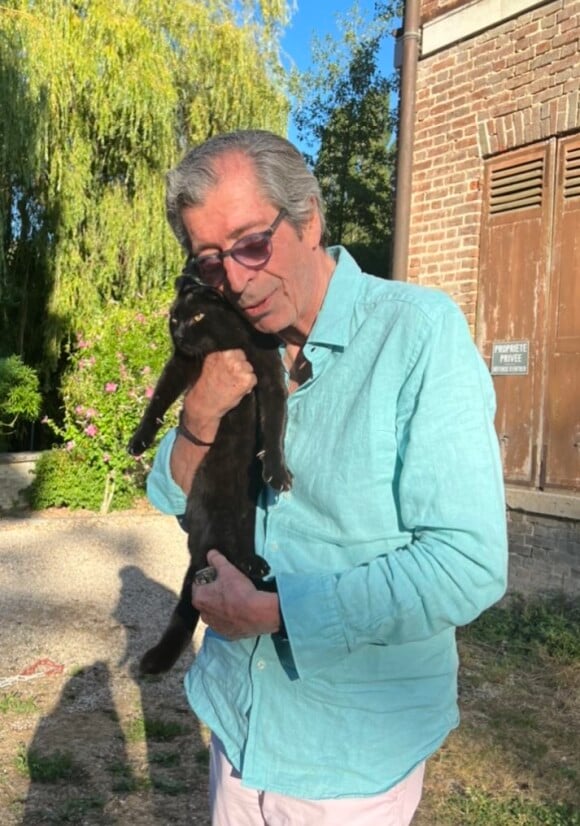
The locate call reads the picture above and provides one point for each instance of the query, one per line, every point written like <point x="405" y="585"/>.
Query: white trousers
<point x="233" y="805"/>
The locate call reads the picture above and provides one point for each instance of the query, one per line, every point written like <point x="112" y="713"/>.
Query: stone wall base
<point x="16" y="474"/>
<point x="544" y="553"/>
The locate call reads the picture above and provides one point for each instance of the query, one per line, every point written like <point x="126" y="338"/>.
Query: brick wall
<point x="16" y="473"/>
<point x="544" y="553"/>
<point x="511" y="85"/>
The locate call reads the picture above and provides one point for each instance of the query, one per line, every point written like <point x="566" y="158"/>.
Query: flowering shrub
<point x="106" y="387"/>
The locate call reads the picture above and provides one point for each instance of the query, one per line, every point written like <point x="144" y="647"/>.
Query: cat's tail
<point x="164" y="655"/>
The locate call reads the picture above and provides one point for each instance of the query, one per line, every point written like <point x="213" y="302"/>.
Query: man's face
<point x="281" y="296"/>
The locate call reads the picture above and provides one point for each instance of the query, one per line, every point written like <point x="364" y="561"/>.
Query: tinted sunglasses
<point x="252" y="251"/>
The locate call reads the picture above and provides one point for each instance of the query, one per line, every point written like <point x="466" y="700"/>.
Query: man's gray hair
<point x="283" y="177"/>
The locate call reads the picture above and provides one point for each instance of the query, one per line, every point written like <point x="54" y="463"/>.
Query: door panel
<point x="562" y="431"/>
<point x="512" y="295"/>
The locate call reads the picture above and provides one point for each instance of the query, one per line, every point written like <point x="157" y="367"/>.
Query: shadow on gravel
<point x="91" y="762"/>
<point x="68" y="778"/>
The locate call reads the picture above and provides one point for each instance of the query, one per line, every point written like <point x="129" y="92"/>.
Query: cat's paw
<point x="254" y="567"/>
<point x="140" y="441"/>
<point x="136" y="447"/>
<point x="276" y="475"/>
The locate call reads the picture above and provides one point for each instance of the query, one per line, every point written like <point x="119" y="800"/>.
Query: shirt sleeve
<point x="163" y="493"/>
<point x="450" y="497"/>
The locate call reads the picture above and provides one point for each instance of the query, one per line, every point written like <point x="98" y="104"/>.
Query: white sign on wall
<point x="510" y="358"/>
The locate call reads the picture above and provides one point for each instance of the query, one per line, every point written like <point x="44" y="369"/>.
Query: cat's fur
<point x="222" y="501"/>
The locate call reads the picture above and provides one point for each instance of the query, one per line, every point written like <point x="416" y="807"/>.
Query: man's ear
<point x="313" y="227"/>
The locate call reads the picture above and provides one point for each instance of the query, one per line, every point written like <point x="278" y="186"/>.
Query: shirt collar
<point x="333" y="324"/>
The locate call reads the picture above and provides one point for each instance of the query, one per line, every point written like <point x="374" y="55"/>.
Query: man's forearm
<point x="186" y="456"/>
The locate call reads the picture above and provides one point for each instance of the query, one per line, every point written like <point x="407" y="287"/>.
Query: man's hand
<point x="232" y="606"/>
<point x="226" y="377"/>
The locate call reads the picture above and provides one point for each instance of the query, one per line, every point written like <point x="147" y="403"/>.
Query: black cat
<point x="222" y="501"/>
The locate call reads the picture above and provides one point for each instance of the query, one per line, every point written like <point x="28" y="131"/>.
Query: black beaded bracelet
<point x="187" y="434"/>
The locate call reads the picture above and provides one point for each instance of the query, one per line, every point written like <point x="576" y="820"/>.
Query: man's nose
<point x="237" y="276"/>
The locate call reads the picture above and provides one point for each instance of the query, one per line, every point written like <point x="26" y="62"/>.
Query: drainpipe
<point x="411" y="40"/>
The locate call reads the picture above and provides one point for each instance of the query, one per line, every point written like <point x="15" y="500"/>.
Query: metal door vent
<point x="518" y="187"/>
<point x="572" y="173"/>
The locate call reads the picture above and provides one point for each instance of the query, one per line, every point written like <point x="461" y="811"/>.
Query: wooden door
<point x="512" y="296"/>
<point x="561" y="452"/>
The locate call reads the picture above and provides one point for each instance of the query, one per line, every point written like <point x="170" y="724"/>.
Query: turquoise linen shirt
<point x="393" y="534"/>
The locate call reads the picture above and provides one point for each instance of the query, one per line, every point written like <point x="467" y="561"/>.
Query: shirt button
<point x="260" y="665"/>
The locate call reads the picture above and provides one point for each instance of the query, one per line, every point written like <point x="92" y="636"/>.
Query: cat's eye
<point x="198" y="317"/>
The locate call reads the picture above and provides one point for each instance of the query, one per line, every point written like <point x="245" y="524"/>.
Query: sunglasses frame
<point x="192" y="265"/>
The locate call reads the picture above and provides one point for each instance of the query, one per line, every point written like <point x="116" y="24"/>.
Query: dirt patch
<point x="84" y="740"/>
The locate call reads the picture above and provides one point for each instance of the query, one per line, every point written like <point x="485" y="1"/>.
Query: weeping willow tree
<point x="98" y="99"/>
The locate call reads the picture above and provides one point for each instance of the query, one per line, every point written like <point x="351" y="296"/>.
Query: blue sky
<point x="320" y="17"/>
<point x="312" y="17"/>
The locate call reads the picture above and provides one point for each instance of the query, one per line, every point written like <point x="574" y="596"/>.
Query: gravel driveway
<point x="82" y="597"/>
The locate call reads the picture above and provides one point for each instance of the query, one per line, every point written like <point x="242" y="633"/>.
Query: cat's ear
<point x="185" y="280"/>
<point x="187" y="277"/>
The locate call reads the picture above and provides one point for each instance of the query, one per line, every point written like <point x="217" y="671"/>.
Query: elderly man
<point x="326" y="698"/>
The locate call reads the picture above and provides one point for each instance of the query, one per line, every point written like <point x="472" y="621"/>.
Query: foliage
<point x="64" y="480"/>
<point x="514" y="759"/>
<point x="547" y="626"/>
<point x="106" y="388"/>
<point x="344" y="114"/>
<point x="49" y="768"/>
<point x="477" y="808"/>
<point x="99" y="98"/>
<point x="15" y="704"/>
<point x="142" y="729"/>
<point x="19" y="392"/>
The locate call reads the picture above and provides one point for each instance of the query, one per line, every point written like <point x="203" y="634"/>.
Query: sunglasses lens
<point x="210" y="271"/>
<point x="253" y="250"/>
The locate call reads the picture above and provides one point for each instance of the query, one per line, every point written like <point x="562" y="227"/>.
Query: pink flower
<point x="106" y="457"/>
<point x="69" y="446"/>
<point x="145" y="371"/>
<point x="44" y="420"/>
<point x="140" y="318"/>
<point x="110" y="387"/>
<point x="91" y="430"/>
<point x="149" y="392"/>
<point x="90" y="413"/>
<point x="79" y="410"/>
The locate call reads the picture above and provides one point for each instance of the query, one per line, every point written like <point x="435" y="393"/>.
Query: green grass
<point x="477" y="808"/>
<point x="75" y="810"/>
<point x="541" y="628"/>
<point x="12" y="703"/>
<point x="142" y="729"/>
<point x="47" y="768"/>
<point x="514" y="760"/>
<point x="168" y="786"/>
<point x="125" y="781"/>
<point x="167" y="759"/>
<point x="202" y="757"/>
